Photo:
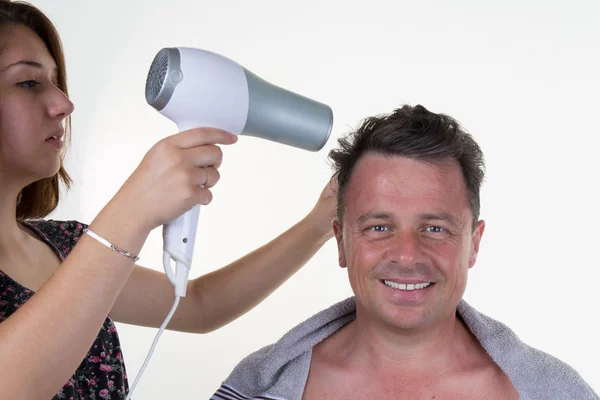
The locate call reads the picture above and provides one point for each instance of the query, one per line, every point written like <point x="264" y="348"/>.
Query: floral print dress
<point x="101" y="375"/>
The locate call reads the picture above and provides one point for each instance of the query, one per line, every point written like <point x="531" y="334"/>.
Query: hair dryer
<point x="197" y="88"/>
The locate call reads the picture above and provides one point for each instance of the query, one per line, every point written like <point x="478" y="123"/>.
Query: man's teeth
<point x="407" y="286"/>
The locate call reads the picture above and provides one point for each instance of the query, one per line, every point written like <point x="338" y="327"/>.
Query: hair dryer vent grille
<point x="156" y="75"/>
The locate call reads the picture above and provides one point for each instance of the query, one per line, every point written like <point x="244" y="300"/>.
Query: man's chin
<point x="404" y="318"/>
<point x="407" y="320"/>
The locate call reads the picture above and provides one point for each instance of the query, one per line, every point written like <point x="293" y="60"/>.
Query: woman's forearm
<point x="231" y="291"/>
<point x="45" y="341"/>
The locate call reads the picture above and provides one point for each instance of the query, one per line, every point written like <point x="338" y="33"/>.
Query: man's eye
<point x="28" y="84"/>
<point x="378" y="228"/>
<point x="435" y="229"/>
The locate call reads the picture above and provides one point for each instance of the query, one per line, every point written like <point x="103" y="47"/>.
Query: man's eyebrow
<point x="440" y="216"/>
<point x="28" y="63"/>
<point x="374" y="215"/>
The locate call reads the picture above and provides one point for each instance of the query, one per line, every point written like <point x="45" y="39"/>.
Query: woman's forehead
<point x="22" y="44"/>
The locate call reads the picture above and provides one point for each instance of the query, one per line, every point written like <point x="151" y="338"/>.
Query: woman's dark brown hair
<point x="40" y="198"/>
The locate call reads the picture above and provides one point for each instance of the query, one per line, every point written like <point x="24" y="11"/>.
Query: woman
<point x="64" y="335"/>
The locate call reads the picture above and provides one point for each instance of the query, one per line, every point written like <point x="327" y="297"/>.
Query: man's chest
<point x="373" y="391"/>
<point x="327" y="385"/>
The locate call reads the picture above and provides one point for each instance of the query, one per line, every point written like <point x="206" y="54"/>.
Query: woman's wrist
<point x="120" y="229"/>
<point x="316" y="228"/>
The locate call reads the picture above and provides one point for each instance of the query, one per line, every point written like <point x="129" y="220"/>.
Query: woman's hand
<point x="175" y="175"/>
<point x="324" y="211"/>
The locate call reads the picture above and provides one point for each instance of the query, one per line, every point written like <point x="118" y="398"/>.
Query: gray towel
<point x="279" y="371"/>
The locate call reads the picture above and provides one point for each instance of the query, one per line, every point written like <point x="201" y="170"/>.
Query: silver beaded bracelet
<point x="110" y="245"/>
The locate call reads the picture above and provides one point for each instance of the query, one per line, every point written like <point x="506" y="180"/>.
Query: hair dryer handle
<point x="179" y="237"/>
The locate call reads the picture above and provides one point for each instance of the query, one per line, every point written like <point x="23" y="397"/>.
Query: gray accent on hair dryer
<point x="284" y="117"/>
<point x="164" y="75"/>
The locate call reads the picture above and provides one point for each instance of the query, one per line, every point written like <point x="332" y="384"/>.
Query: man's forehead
<point x="389" y="173"/>
<point x="381" y="182"/>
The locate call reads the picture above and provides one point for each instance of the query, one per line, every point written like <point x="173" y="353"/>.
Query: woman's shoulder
<point x="60" y="234"/>
<point x="56" y="225"/>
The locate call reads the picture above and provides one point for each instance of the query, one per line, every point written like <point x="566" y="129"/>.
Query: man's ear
<point x="337" y="231"/>
<point x="475" y="241"/>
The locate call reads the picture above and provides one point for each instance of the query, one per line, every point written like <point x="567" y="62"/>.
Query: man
<point x="408" y="231"/>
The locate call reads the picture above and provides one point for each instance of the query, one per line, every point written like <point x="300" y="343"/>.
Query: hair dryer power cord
<point x="160" y="331"/>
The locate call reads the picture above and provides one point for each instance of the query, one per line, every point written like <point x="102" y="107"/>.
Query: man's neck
<point x="436" y="349"/>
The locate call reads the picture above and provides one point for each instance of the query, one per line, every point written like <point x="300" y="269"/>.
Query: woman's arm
<point x="219" y="297"/>
<point x="45" y="340"/>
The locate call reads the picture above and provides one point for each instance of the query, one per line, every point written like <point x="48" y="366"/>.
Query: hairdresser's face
<point x="407" y="241"/>
<point x="32" y="108"/>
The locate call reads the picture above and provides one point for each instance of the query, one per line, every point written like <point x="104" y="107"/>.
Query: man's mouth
<point x="407" y="286"/>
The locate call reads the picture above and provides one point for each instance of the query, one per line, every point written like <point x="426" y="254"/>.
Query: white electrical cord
<point x="160" y="331"/>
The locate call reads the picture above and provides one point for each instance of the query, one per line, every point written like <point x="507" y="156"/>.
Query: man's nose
<point x="405" y="249"/>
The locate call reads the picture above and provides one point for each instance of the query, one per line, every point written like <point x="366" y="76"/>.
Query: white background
<point x="521" y="76"/>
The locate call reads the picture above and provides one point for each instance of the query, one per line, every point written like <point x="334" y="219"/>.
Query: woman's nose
<point x="59" y="107"/>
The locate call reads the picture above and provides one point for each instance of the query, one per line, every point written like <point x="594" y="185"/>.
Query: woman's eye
<point x="28" y="84"/>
